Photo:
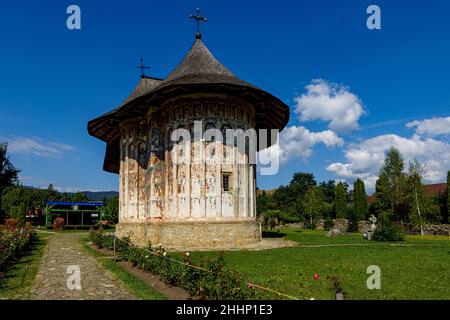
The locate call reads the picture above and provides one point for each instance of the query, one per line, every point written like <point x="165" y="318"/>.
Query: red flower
<point x="316" y="276"/>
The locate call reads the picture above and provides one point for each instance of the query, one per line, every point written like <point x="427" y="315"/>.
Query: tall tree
<point x="360" y="200"/>
<point x="8" y="173"/>
<point x="415" y="194"/>
<point x="392" y="171"/>
<point x="340" y="201"/>
<point x="313" y="205"/>
<point x="290" y="199"/>
<point x="301" y="182"/>
<point x="328" y="188"/>
<point x="382" y="197"/>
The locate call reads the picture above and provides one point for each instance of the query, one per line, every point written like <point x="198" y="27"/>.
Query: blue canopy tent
<point x="75" y="214"/>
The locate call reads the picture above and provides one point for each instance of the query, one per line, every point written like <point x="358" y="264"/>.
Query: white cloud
<point x="332" y="103"/>
<point x="36" y="146"/>
<point x="76" y="189"/>
<point x="297" y="141"/>
<point x="365" y="159"/>
<point x="431" y="127"/>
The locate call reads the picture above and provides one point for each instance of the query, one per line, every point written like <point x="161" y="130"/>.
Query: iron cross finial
<point x="198" y="18"/>
<point x="142" y="67"/>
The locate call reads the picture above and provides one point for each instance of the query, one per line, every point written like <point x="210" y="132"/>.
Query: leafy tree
<point x="282" y="197"/>
<point x="18" y="212"/>
<point x="18" y="200"/>
<point x="313" y="204"/>
<point x="290" y="199"/>
<point x="340" y="201"/>
<point x="423" y="208"/>
<point x="112" y="209"/>
<point x="301" y="182"/>
<point x="415" y="194"/>
<point x="8" y="173"/>
<point x="360" y="200"/>
<point x="264" y="202"/>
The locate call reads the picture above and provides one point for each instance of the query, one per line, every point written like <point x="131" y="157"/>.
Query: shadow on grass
<point x="273" y="234"/>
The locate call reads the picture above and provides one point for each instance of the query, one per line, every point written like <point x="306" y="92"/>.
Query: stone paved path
<point x="97" y="283"/>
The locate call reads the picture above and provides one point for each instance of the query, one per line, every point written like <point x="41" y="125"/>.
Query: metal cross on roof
<point x="198" y="18"/>
<point x="142" y="67"/>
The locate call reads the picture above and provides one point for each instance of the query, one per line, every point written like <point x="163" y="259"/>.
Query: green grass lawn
<point x="18" y="279"/>
<point x="417" y="268"/>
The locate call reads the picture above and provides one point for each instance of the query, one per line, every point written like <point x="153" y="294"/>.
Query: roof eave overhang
<point x="272" y="113"/>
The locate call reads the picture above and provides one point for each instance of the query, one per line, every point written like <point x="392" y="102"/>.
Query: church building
<point x="168" y="195"/>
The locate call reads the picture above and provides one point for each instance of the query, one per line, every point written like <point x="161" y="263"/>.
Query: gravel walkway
<point x="56" y="278"/>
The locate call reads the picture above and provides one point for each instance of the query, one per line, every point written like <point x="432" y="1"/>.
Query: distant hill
<point x="98" y="195"/>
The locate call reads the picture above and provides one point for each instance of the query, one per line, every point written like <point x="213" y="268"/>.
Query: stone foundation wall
<point x="341" y="224"/>
<point x="176" y="235"/>
<point x="294" y="225"/>
<point x="437" y="229"/>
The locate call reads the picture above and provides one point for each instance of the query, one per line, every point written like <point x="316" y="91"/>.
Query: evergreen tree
<point x="340" y="201"/>
<point x="383" y="199"/>
<point x="360" y="200"/>
<point x="392" y="171"/>
<point x="328" y="189"/>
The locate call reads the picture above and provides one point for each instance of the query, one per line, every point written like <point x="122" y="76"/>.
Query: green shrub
<point x="392" y="233"/>
<point x="271" y="219"/>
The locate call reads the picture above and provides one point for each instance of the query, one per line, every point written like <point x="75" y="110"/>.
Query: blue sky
<point x="54" y="80"/>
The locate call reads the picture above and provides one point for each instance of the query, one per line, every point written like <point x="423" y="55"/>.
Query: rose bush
<point x="217" y="283"/>
<point x="13" y="241"/>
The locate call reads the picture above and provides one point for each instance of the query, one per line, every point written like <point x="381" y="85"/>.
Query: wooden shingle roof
<point x="199" y="71"/>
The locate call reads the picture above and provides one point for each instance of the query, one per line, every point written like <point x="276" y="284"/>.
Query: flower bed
<point x="13" y="241"/>
<point x="208" y="279"/>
